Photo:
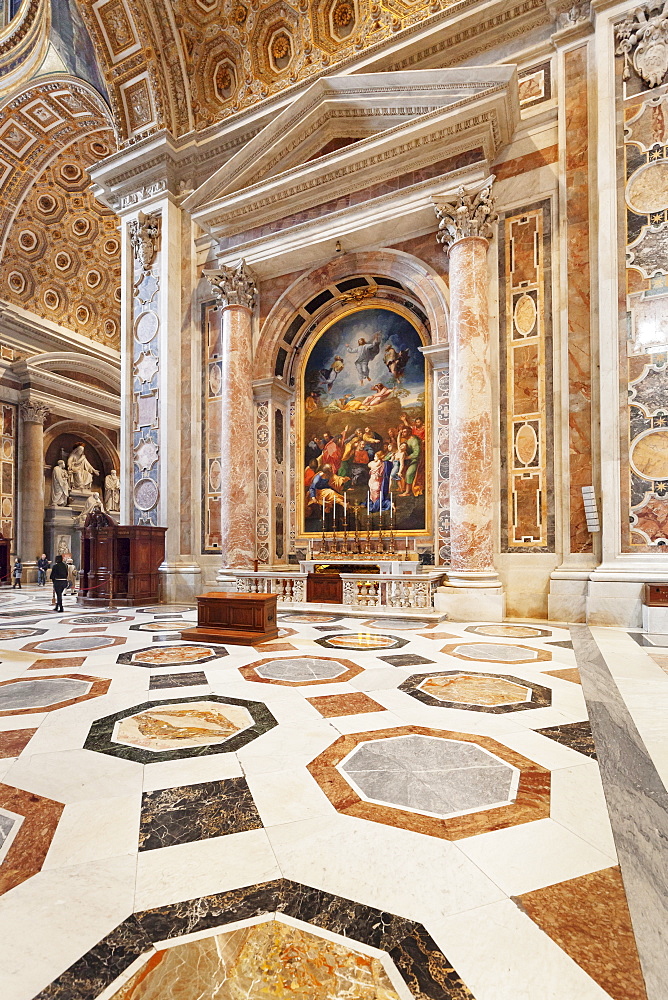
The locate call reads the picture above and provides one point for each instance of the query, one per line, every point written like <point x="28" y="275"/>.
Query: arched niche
<point x="61" y="437"/>
<point x="390" y="274"/>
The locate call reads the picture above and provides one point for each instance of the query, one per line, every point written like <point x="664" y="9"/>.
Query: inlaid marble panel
<point x="71" y="642"/>
<point x="45" y="694"/>
<point x="362" y="640"/>
<point x="509" y="631"/>
<point x="438" y="777"/>
<point x="408" y="624"/>
<point x="14" y="741"/>
<point x="576" y="735"/>
<point x="300" y="670"/>
<point x="196" y="812"/>
<point x="8" y="460"/>
<point x="167" y="656"/>
<point x="51" y="662"/>
<point x="491" y="652"/>
<point x="336" y="705"/>
<point x="589" y="918"/>
<point x="425" y="971"/>
<point x="432" y="781"/>
<point x="102" y="619"/>
<point x="307" y="618"/>
<point x="172" y="728"/>
<point x="494" y="693"/>
<point x="406" y="660"/>
<point x="172" y="625"/>
<point x="27" y="825"/>
<point x="186" y="679"/>
<point x="19" y="633"/>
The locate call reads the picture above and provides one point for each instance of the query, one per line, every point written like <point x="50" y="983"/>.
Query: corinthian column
<point x="31" y="483"/>
<point x="235" y="290"/>
<point x="465" y="227"/>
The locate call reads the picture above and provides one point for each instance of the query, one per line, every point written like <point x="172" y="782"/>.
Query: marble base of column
<point x="180" y="582"/>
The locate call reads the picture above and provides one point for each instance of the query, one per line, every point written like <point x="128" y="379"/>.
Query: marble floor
<point x="365" y="808"/>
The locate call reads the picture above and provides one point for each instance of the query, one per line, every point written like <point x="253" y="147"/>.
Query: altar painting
<point x="364" y="429"/>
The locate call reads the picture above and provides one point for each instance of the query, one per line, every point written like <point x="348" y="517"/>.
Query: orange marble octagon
<point x="531" y="802"/>
<point x="474" y="689"/>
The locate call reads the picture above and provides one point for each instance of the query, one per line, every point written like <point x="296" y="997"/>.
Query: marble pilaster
<point x="465" y="227"/>
<point x="31" y="483"/>
<point x="235" y="291"/>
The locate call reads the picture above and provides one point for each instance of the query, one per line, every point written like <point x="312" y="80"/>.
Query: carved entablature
<point x="233" y="286"/>
<point x="144" y="232"/>
<point x="642" y="38"/>
<point x="472" y="214"/>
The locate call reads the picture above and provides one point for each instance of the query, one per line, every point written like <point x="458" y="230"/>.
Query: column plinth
<point x="473" y="587"/>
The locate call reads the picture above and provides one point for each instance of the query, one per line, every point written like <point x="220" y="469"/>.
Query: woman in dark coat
<point x="59" y="581"/>
<point x="17" y="573"/>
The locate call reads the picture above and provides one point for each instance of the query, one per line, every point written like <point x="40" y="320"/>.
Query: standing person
<point x="42" y="566"/>
<point x="17" y="573"/>
<point x="71" y="575"/>
<point x="59" y="581"/>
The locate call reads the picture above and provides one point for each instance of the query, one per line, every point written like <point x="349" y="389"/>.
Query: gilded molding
<point x="472" y="215"/>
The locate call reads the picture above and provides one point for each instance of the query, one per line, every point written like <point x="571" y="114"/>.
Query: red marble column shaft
<point x="471" y="459"/>
<point x="237" y="502"/>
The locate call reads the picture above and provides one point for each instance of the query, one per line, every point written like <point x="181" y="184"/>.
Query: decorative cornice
<point x="472" y="215"/>
<point x="233" y="286"/>
<point x="144" y="232"/>
<point x="34" y="413"/>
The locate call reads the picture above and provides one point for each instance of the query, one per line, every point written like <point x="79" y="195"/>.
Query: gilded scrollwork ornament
<point x="642" y="38"/>
<point x="472" y="214"/>
<point x="233" y="286"/>
<point x="144" y="232"/>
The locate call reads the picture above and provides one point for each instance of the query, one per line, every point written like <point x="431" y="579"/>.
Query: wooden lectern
<point x="239" y="619"/>
<point x="119" y="564"/>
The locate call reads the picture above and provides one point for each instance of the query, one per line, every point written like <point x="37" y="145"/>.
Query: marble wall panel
<point x="642" y="159"/>
<point x="212" y="471"/>
<point x="527" y="519"/>
<point x="146" y="322"/>
<point x="8" y="422"/>
<point x="579" y="292"/>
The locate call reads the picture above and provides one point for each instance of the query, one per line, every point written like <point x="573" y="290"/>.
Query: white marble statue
<point x="80" y="470"/>
<point x="93" y="502"/>
<point x="60" y="485"/>
<point x="112" y="491"/>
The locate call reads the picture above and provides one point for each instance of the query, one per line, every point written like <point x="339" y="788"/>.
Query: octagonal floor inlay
<point x="493" y="652"/>
<point x="301" y="670"/>
<point x="362" y="640"/>
<point x="40" y="693"/>
<point x="510" y="631"/>
<point x="271" y="959"/>
<point x="163" y="656"/>
<point x="173" y="727"/>
<point x="398" y="623"/>
<point x="475" y="689"/>
<point x="437" y="777"/>
<point x="10" y="823"/>
<point x="73" y="642"/>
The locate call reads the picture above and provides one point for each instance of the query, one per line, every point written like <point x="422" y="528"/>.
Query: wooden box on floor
<point x="119" y="565"/>
<point x="240" y="619"/>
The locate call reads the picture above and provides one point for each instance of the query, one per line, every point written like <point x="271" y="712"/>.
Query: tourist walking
<point x="59" y="581"/>
<point x="17" y="573"/>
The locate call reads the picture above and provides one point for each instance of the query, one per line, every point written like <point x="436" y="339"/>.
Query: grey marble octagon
<point x="429" y="775"/>
<point x="40" y="693"/>
<point x="302" y="670"/>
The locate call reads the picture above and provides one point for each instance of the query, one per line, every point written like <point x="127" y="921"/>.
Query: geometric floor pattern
<point x="386" y="809"/>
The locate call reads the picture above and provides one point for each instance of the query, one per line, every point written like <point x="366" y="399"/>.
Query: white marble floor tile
<point x="191" y="770"/>
<point x="366" y="722"/>
<point x="578" y="803"/>
<point x="95" y="829"/>
<point x="545" y="751"/>
<point x="533" y="855"/>
<point x="501" y="954"/>
<point x="345" y="855"/>
<point x="288" y="796"/>
<point x="286" y="747"/>
<point x="185" y="871"/>
<point x="48" y="922"/>
<point x="76" y="775"/>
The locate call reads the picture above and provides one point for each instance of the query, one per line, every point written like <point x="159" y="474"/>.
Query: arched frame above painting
<point x="363" y="449"/>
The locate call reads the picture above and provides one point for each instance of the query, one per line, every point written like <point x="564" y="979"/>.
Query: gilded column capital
<point x="470" y="215"/>
<point x="233" y="286"/>
<point x="144" y="232"/>
<point x="33" y="413"/>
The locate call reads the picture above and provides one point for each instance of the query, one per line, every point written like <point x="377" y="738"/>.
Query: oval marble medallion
<point x="526" y="444"/>
<point x="146" y="327"/>
<point x="146" y="494"/>
<point x="525" y="315"/>
<point x="649" y="455"/>
<point x="647" y="189"/>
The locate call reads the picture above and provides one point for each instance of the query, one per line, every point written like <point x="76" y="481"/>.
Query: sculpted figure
<point x="60" y="485"/>
<point x="79" y="468"/>
<point x="112" y="491"/>
<point x="93" y="503"/>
